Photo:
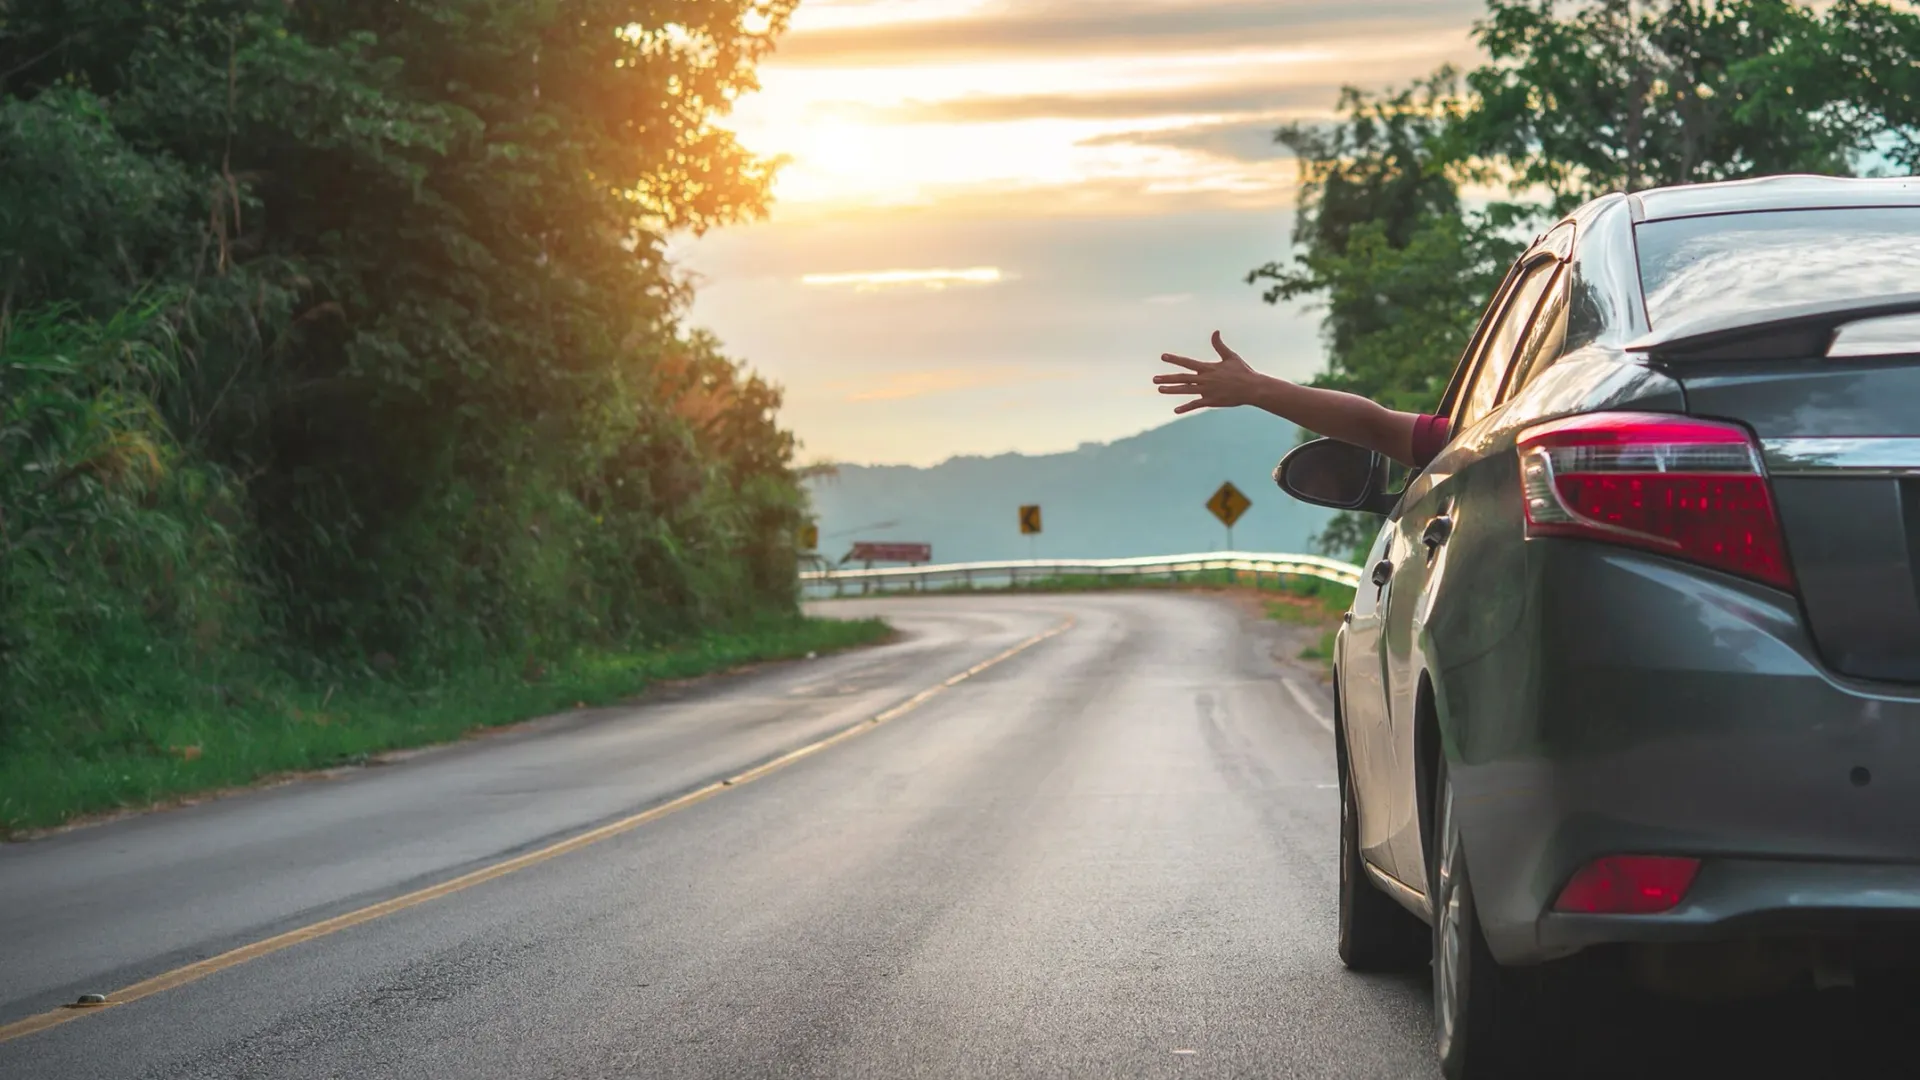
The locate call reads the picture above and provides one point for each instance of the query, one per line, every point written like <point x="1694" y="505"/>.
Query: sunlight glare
<point x="875" y="137"/>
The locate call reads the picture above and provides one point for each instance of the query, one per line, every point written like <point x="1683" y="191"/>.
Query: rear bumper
<point x="1647" y="708"/>
<point x="1735" y="898"/>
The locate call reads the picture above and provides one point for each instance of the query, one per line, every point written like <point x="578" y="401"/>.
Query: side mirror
<point x="1327" y="472"/>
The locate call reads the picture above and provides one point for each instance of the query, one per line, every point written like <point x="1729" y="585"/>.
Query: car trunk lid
<point x="1842" y="450"/>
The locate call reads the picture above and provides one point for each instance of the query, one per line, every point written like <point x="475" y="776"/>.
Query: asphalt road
<point x="1111" y="854"/>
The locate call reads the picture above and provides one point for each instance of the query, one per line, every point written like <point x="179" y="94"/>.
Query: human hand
<point x="1229" y="382"/>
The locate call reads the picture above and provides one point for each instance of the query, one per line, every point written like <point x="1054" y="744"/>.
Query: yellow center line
<point x="181" y="976"/>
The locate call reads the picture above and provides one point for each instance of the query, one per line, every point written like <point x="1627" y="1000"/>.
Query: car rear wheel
<point x="1376" y="934"/>
<point x="1493" y="1022"/>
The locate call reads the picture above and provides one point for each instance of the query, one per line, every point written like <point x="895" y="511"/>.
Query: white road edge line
<point x="1307" y="703"/>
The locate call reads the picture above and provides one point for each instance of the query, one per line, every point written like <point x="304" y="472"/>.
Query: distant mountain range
<point x="1144" y="495"/>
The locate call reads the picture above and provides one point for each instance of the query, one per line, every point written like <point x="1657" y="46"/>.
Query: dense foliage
<point x="339" y="334"/>
<point x="1385" y="242"/>
<point x="1575" y="100"/>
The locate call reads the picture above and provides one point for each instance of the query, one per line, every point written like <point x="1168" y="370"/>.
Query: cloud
<point x="1243" y="186"/>
<point x="874" y="280"/>
<point x="1239" y="140"/>
<point x="1069" y="106"/>
<point x="902" y="385"/>
<point x="1205" y="100"/>
<point x="1056" y="28"/>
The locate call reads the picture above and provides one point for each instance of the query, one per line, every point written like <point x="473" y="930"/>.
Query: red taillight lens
<point x="1693" y="489"/>
<point x="1629" y="885"/>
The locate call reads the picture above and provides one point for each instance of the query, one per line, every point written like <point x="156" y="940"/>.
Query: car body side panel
<point x="1464" y="622"/>
<point x="1468" y="595"/>
<point x="1456" y="604"/>
<point x="1362" y="705"/>
<point x="1402" y="642"/>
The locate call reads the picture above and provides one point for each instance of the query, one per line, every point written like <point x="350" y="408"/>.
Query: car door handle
<point x="1437" y="532"/>
<point x="1382" y="572"/>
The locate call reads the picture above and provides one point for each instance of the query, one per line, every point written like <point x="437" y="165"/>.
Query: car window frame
<point x="1523" y="268"/>
<point x="1534" y="356"/>
<point x="1470" y="357"/>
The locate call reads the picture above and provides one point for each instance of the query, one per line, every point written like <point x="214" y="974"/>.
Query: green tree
<point x="1618" y="95"/>
<point x="1383" y="242"/>
<point x="406" y="260"/>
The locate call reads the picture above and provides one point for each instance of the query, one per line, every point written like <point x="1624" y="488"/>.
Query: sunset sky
<point x="998" y="213"/>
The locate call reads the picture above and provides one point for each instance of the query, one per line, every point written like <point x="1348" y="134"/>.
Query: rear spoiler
<point x="1793" y="331"/>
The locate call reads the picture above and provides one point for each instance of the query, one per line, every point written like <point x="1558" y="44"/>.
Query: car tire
<point x="1376" y="934"/>
<point x="1493" y="1022"/>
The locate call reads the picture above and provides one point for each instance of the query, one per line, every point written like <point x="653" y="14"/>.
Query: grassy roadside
<point x="1299" y="601"/>
<point x="175" y="747"/>
<point x="1320" y="611"/>
<point x="1288" y="585"/>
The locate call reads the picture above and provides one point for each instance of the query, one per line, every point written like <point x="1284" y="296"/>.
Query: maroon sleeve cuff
<point x="1429" y="437"/>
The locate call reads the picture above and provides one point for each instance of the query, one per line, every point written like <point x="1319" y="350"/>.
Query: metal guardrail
<point x="1012" y="573"/>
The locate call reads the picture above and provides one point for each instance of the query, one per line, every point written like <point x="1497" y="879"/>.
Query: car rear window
<point x="1735" y="263"/>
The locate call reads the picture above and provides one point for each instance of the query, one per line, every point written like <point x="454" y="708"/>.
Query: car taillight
<point x="1692" y="489"/>
<point x="1629" y="885"/>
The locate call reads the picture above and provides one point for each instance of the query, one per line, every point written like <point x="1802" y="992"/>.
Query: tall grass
<point x="166" y="738"/>
<point x="121" y="570"/>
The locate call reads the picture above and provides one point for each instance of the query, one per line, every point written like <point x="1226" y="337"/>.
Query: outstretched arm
<point x="1337" y="415"/>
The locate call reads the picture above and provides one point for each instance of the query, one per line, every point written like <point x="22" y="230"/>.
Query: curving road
<point x="1109" y="853"/>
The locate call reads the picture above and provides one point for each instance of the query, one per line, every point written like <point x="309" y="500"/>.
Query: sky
<point x="996" y="214"/>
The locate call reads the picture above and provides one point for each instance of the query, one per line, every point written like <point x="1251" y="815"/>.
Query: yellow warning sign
<point x="809" y="538"/>
<point x="1029" y="520"/>
<point x="1228" y="504"/>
